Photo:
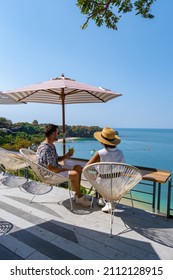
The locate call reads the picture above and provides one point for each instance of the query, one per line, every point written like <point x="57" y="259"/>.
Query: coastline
<point x="68" y="139"/>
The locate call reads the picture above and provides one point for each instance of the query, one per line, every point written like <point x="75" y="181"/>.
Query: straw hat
<point x="107" y="136"/>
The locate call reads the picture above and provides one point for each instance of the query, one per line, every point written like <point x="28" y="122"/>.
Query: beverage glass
<point x="71" y="151"/>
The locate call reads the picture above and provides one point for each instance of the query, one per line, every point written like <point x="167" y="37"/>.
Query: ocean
<point x="142" y="147"/>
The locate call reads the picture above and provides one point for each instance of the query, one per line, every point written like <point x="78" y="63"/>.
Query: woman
<point x="109" y="139"/>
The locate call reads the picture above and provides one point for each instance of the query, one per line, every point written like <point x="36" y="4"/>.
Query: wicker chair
<point x="112" y="180"/>
<point x="43" y="174"/>
<point x="10" y="161"/>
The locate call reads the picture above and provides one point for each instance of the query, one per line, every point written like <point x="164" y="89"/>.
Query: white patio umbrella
<point x="6" y="100"/>
<point x="62" y="91"/>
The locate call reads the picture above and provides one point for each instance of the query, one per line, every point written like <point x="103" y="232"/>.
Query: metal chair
<point x="10" y="161"/>
<point x="43" y="174"/>
<point x="112" y="180"/>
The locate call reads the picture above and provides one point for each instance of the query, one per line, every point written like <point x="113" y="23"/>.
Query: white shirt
<point x="111" y="155"/>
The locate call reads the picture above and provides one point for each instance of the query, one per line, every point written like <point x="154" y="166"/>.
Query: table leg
<point x="158" y="198"/>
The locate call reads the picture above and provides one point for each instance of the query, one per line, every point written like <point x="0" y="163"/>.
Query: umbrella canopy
<point x="61" y="90"/>
<point x="5" y="99"/>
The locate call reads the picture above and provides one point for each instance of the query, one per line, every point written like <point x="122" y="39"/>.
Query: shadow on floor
<point x="61" y="241"/>
<point x="154" y="227"/>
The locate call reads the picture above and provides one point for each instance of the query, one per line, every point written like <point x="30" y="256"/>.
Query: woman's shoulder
<point x="118" y="151"/>
<point x="102" y="151"/>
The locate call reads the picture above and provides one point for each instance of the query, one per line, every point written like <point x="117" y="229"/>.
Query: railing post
<point x="169" y="197"/>
<point x="154" y="196"/>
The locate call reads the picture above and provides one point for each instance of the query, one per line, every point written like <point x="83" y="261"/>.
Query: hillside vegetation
<point x="14" y="136"/>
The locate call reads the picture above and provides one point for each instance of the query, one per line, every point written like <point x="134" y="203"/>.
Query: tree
<point x="4" y="122"/>
<point x="35" y="122"/>
<point x="109" y="12"/>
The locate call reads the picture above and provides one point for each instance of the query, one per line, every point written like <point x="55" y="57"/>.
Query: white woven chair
<point x="10" y="161"/>
<point x="43" y="174"/>
<point x="112" y="180"/>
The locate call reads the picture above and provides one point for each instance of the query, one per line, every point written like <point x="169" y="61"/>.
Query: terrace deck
<point x="46" y="229"/>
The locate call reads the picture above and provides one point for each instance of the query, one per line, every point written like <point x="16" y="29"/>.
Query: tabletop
<point x="154" y="175"/>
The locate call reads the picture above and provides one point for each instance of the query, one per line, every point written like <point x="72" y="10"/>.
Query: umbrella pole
<point x="63" y="120"/>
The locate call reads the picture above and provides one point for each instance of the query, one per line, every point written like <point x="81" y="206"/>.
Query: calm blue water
<point x="143" y="147"/>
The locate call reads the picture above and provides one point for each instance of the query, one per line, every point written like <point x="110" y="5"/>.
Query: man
<point x="48" y="157"/>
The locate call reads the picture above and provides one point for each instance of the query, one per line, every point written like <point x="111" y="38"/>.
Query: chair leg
<point x="71" y="200"/>
<point x="2" y="169"/>
<point x="111" y="219"/>
<point x="35" y="193"/>
<point x="131" y="199"/>
<point x="92" y="199"/>
<point x="26" y="172"/>
<point x="24" y="184"/>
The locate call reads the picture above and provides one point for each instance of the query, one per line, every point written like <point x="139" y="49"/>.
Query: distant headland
<point x="14" y="136"/>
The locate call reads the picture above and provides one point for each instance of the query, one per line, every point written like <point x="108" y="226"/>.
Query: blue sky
<point x="43" y="39"/>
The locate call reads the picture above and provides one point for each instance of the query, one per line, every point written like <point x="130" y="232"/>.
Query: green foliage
<point x="4" y="122"/>
<point x="24" y="135"/>
<point x="86" y="191"/>
<point x="19" y="135"/>
<point x="109" y="12"/>
<point x="81" y="131"/>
